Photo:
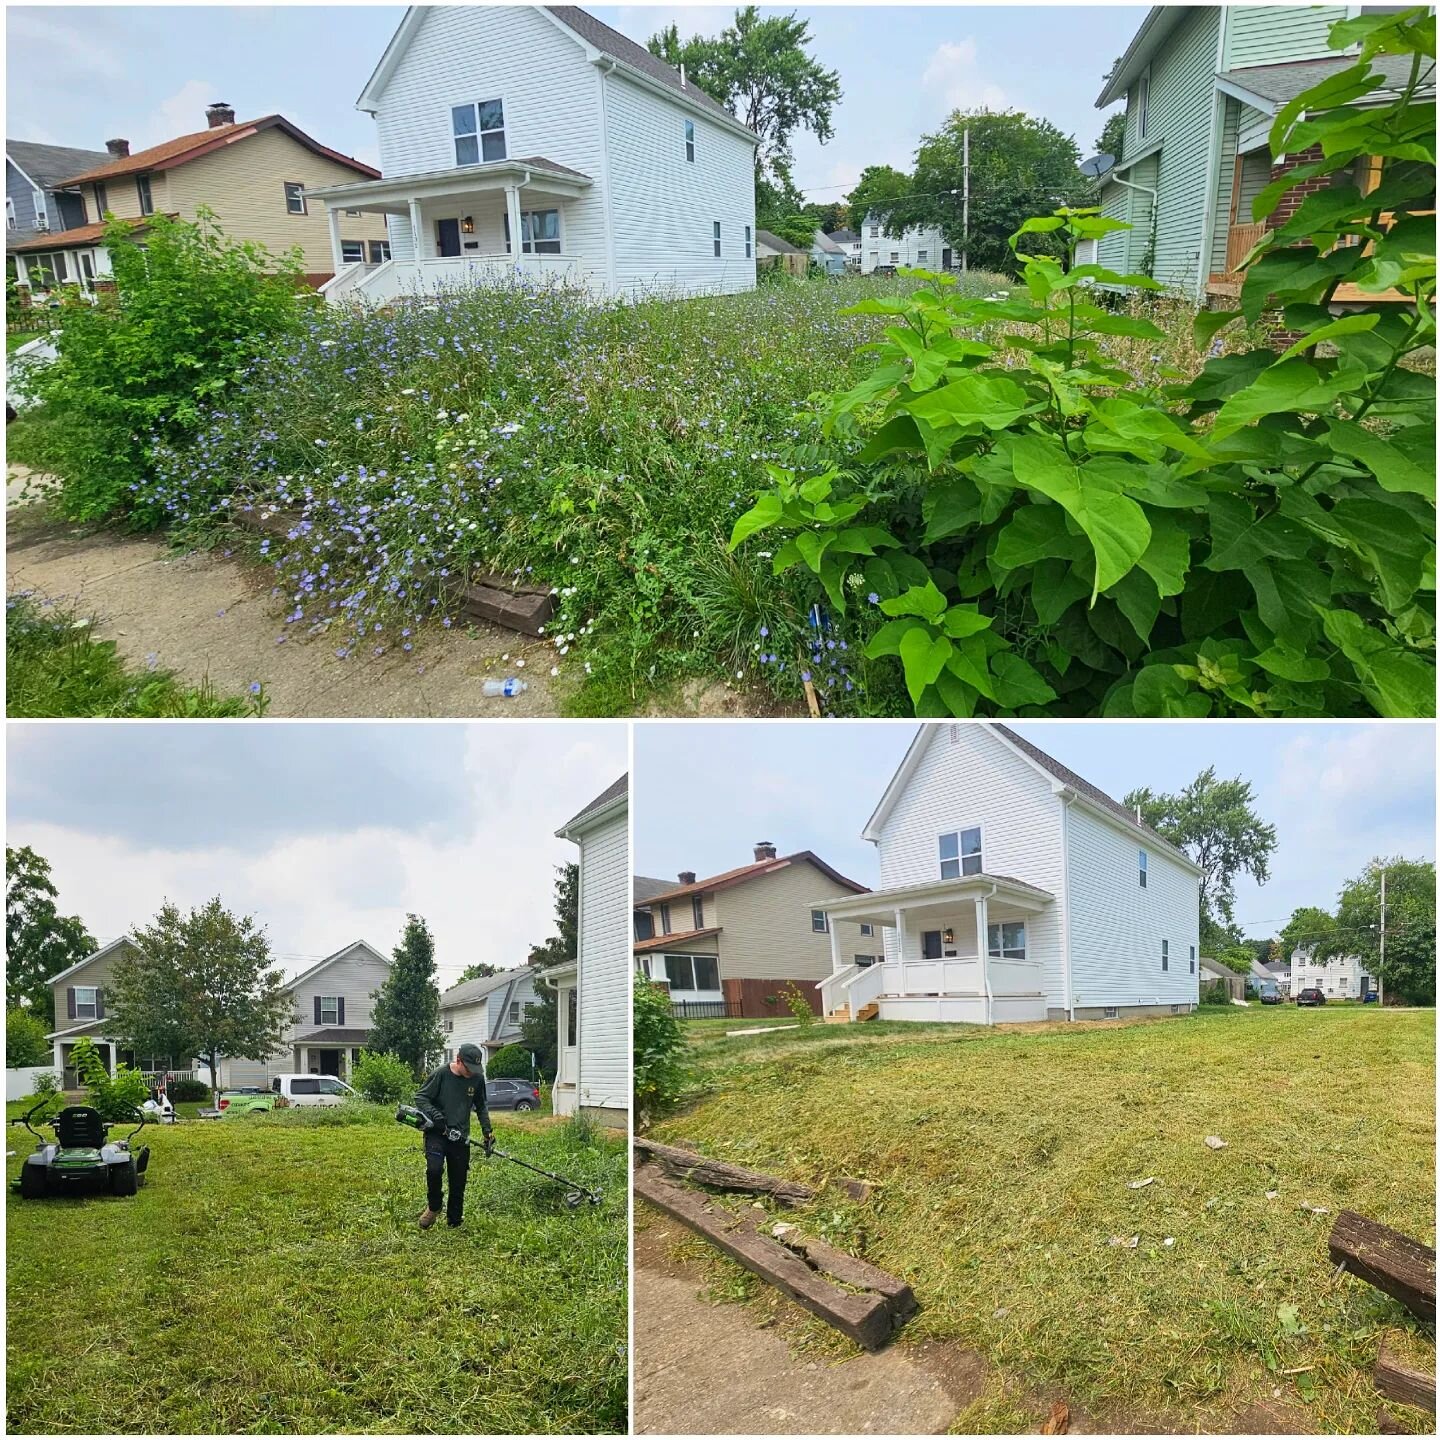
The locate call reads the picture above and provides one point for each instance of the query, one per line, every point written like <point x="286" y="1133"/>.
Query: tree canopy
<point x="1214" y="822"/>
<point x="1308" y="927"/>
<point x="1111" y="140"/>
<point x="538" y="1023"/>
<point x="879" y="189"/>
<point x="200" y="984"/>
<point x="761" y="69"/>
<point x="405" y="1019"/>
<point x="480" y="970"/>
<point x="1409" y="968"/>
<point x="40" y="942"/>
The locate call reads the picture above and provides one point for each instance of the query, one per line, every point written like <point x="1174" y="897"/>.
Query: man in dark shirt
<point x="446" y="1100"/>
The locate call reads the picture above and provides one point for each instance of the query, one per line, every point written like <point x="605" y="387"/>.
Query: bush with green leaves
<point x="117" y="1096"/>
<point x="384" y="1079"/>
<point x="1029" y="527"/>
<point x="191" y="310"/>
<point x="510" y="1062"/>
<point x="797" y="1003"/>
<point x="184" y="1089"/>
<point x="25" y="1042"/>
<point x="659" y="1046"/>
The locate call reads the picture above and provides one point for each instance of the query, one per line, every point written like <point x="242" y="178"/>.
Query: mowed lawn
<point x="269" y="1277"/>
<point x="1005" y="1160"/>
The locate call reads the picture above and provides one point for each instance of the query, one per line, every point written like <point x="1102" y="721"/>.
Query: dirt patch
<point x="204" y="616"/>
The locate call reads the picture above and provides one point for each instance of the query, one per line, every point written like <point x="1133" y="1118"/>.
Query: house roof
<point x="615" y="791"/>
<point x="185" y="148"/>
<point x="340" y="954"/>
<point x="669" y="942"/>
<point x="828" y="244"/>
<point x="1271" y="87"/>
<point x="743" y="873"/>
<point x="771" y="241"/>
<point x="1159" y="21"/>
<point x="844" y="237"/>
<point x="467" y="992"/>
<point x="45" y="165"/>
<point x="332" y="1035"/>
<point x="94" y="955"/>
<point x="643" y="887"/>
<point x="79" y="238"/>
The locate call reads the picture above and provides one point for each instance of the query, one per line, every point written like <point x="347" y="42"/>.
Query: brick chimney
<point x="765" y="850"/>
<point x="687" y="877"/>
<point x="219" y="114"/>
<point x="119" y="149"/>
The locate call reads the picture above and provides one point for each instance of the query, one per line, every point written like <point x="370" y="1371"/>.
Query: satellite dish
<point x="1097" y="165"/>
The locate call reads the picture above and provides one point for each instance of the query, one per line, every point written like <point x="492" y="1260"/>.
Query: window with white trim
<point x="1142" y="105"/>
<point x="86" y="1002"/>
<point x="1164" y="954"/>
<point x="960" y="853"/>
<point x="747" y="242"/>
<point x="142" y="193"/>
<point x="295" y="198"/>
<point x="379" y="251"/>
<point x="9" y="214"/>
<point x="329" y="1009"/>
<point x="352" y="252"/>
<point x="514" y="1012"/>
<point x="1110" y="1012"/>
<point x="922" y="256"/>
<point x="715" y="237"/>
<point x="864" y="961"/>
<point x="1192" y="959"/>
<point x="1006" y="940"/>
<point x="479" y="132"/>
<point x="874" y="232"/>
<point x="539" y="232"/>
<point x="42" y="214"/>
<point x="894" y="257"/>
<point x="692" y="973"/>
<point x="690" y="141"/>
<point x="866" y="928"/>
<point x="697" y="911"/>
<point x="819" y="922"/>
<point x="449" y="1026"/>
<point x="664" y="919"/>
<point x="1144" y="870"/>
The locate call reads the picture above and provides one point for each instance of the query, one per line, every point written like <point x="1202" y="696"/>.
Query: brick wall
<point x="1291" y="201"/>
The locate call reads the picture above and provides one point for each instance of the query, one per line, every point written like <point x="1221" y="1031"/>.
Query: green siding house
<point x="1201" y="86"/>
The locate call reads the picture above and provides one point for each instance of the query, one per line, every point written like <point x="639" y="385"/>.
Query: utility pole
<point x="965" y="209"/>
<point x="1381" y="976"/>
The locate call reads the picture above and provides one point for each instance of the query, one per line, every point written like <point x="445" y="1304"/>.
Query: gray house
<point x="487" y="1012"/>
<point x="35" y="205"/>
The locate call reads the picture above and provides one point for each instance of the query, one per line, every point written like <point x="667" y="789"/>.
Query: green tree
<point x="878" y="191"/>
<point x="39" y="941"/>
<point x="1112" y="137"/>
<point x="480" y="970"/>
<point x="1019" y="166"/>
<point x="1307" y="927"/>
<point x="25" y="1042"/>
<point x="760" y="68"/>
<point x="405" y="1019"/>
<point x="538" y="1032"/>
<point x="830" y="218"/>
<point x="1409" y="967"/>
<point x="382" y="1079"/>
<point x="1214" y="822"/>
<point x="202" y="984"/>
<point x="659" y="1042"/>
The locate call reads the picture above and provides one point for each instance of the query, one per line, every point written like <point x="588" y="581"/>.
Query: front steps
<point x="842" y="1015"/>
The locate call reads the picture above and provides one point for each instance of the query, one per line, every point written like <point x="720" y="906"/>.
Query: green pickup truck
<point x="293" y="1089"/>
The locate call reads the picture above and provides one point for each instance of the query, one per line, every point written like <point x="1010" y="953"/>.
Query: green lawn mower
<point x="81" y="1160"/>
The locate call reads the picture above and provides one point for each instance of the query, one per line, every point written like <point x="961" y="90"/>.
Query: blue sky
<point x="79" y="75"/>
<point x="1337" y="794"/>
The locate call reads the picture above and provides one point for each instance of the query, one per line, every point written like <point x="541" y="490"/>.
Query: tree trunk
<point x="214" y="1058"/>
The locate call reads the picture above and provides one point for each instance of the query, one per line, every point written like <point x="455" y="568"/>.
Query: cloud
<point x="182" y="114"/>
<point x="640" y="22"/>
<point x="953" y="76"/>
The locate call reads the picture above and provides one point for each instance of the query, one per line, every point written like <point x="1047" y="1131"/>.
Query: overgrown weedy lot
<point x="269" y="1277"/>
<point x="1004" y="1161"/>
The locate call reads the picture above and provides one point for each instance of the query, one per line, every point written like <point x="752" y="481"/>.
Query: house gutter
<point x="1067" y="797"/>
<point x="1212" y="160"/>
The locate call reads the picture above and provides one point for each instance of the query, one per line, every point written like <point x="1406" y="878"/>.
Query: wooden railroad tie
<point x="1386" y="1259"/>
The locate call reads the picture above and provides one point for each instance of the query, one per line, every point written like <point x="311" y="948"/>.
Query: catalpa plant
<point x="1043" y="533"/>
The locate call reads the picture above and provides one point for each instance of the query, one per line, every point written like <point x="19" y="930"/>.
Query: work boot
<point x="428" y="1217"/>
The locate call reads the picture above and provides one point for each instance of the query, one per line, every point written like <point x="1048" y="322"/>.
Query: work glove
<point x="489" y="1143"/>
<point x="454" y="1134"/>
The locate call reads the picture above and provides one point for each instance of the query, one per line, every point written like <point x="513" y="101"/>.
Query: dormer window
<point x="960" y="854"/>
<point x="479" y="132"/>
<point x="690" y="141"/>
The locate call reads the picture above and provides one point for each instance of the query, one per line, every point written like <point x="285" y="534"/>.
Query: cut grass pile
<point x="1005" y="1161"/>
<point x="269" y="1277"/>
<point x="54" y="667"/>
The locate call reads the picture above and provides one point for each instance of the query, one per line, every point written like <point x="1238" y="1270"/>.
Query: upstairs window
<point x="85" y="1002"/>
<point x="715" y="237"/>
<point x="874" y="232"/>
<point x="819" y="922"/>
<point x="697" y="910"/>
<point x="514" y="1012"/>
<point x="479" y="132"/>
<point x="960" y="854"/>
<point x="329" y="1009"/>
<point x="142" y="192"/>
<point x="1164" y="954"/>
<point x="42" y="214"/>
<point x="102" y="201"/>
<point x="747" y="242"/>
<point x="690" y="141"/>
<point x="644" y="925"/>
<point x="1142" y="106"/>
<point x="9" y="213"/>
<point x="664" y="919"/>
<point x="1006" y="941"/>
<point x="295" y="197"/>
<point x="866" y="930"/>
<point x="1144" y="870"/>
<point x="1192" y="959"/>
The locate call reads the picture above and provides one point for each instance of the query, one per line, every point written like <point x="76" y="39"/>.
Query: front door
<point x="447" y="237"/>
<point x="329" y="1062"/>
<point x="947" y="258"/>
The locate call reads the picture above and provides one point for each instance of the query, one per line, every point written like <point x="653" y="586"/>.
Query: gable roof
<point x="745" y="873"/>
<point x="340" y="954"/>
<point x="185" y="148"/>
<point x="608" y="797"/>
<point x="1159" y="21"/>
<point x="94" y="955"/>
<point x="643" y="887"/>
<point x="1271" y="87"/>
<point x="771" y="241"/>
<point x="828" y="243"/>
<point x="46" y="165"/>
<point x="844" y="237"/>
<point x="467" y="992"/>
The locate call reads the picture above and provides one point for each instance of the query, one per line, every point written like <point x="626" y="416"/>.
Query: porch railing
<point x="831" y="988"/>
<point x="1241" y="240"/>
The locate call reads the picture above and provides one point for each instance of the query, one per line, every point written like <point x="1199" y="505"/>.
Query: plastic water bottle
<point x="508" y="688"/>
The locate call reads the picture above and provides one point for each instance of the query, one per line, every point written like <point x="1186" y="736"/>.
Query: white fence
<point x="21" y="1082"/>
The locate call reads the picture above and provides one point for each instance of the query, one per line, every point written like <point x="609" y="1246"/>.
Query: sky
<point x="1337" y="794"/>
<point x="326" y="833"/>
<point x="79" y="75"/>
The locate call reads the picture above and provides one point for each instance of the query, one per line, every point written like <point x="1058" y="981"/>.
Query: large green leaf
<point x="1345" y="325"/>
<point x="1398" y="682"/>
<point x="923" y="600"/>
<point x="1166" y="559"/>
<point x="991" y="401"/>
<point x="765" y="512"/>
<point x="1391" y="467"/>
<point x="1017" y="682"/>
<point x="923" y="656"/>
<point x="1037" y="532"/>
<point x="1290" y="385"/>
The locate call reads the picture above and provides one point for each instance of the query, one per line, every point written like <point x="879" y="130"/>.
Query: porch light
<point x="947" y="937"/>
<point x="468" y="225"/>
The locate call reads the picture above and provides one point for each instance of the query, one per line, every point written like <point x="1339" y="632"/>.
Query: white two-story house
<point x="1341" y="977"/>
<point x="918" y="248"/>
<point x="1013" y="890"/>
<point x="488" y="1011"/>
<point x="536" y="141"/>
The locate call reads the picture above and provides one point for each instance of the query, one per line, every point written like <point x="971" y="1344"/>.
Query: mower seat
<point x="80" y="1125"/>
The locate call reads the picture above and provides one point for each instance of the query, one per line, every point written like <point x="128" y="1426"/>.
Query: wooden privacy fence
<point x="760" y="999"/>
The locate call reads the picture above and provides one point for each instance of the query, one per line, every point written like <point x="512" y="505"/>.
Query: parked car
<point x="512" y="1094"/>
<point x="296" y="1089"/>
<point x="1310" y="996"/>
<point x="1269" y="996"/>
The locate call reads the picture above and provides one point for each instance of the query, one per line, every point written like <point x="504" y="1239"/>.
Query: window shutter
<point x="70" y="1001"/>
<point x="317" y="1009"/>
<point x="340" y="1011"/>
<point x="99" y="1004"/>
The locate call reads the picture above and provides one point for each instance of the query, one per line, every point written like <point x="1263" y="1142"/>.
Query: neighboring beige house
<point x="254" y="175"/>
<point x="330" y="1028"/>
<point x="730" y="944"/>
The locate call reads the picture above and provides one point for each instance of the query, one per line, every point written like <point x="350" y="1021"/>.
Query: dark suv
<point x="512" y="1094"/>
<point x="1310" y="996"/>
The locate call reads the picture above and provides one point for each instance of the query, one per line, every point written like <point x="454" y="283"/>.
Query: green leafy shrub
<point x="192" y="309"/>
<point x="47" y="1085"/>
<point x="383" y="1079"/>
<point x="797" y="1003"/>
<point x="184" y="1090"/>
<point x="659" y="1049"/>
<point x="117" y="1096"/>
<point x="1215" y="992"/>
<point x="510" y="1062"/>
<point x="1031" y="527"/>
<point x="25" y="1042"/>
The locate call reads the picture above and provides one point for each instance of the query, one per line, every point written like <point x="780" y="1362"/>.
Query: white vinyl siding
<point x="605" y="965"/>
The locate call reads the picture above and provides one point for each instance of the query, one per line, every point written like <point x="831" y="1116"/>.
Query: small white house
<point x="593" y="992"/>
<point x="1011" y="890"/>
<point x="1342" y="977"/>
<point x="533" y="141"/>
<point x="918" y="248"/>
<point x="487" y="1012"/>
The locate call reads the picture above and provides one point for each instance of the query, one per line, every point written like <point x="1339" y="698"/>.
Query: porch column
<point x="22" y="273"/>
<point x="304" y="1059"/>
<point x="835" y="966"/>
<point x="512" y="209"/>
<point x="417" y="230"/>
<point x="900" y="954"/>
<point x="982" y="940"/>
<point x="337" y="255"/>
<point x="60" y="1062"/>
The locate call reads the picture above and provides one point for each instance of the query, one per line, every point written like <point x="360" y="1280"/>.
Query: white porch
<point x="469" y="225"/>
<point x="955" y="950"/>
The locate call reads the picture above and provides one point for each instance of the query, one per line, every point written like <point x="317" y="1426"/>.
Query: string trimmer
<point x="575" y="1193"/>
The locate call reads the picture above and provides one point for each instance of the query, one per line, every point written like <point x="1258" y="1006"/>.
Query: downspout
<point x="606" y="67"/>
<point x="1066" y="796"/>
<point x="1154" y="209"/>
<point x="1212" y="159"/>
<point x="983" y="946"/>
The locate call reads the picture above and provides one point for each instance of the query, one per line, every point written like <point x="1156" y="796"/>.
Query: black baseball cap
<point x="472" y="1057"/>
